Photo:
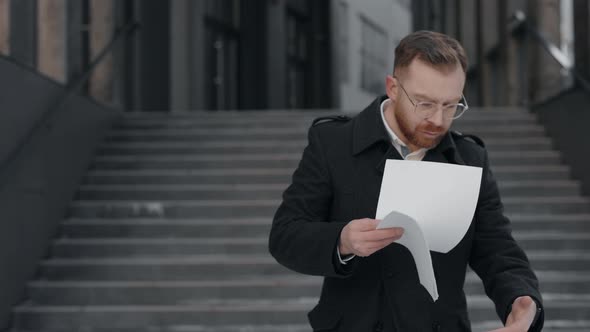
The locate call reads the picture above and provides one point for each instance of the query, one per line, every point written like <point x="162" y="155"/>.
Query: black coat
<point x="338" y="180"/>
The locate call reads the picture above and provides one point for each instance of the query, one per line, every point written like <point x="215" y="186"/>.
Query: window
<point x="298" y="69"/>
<point x="222" y="24"/>
<point x="373" y="56"/>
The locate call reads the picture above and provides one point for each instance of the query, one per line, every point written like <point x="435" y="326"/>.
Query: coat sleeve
<point x="301" y="236"/>
<point x="496" y="257"/>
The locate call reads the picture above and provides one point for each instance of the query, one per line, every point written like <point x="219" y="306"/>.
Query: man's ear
<point x="391" y="87"/>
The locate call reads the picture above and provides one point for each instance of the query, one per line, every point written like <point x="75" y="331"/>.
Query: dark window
<point x="297" y="59"/>
<point x="222" y="24"/>
<point x="23" y="31"/>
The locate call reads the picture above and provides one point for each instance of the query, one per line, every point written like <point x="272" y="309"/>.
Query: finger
<point x="376" y="246"/>
<point x="364" y="225"/>
<point x="524" y="302"/>
<point x="504" y="329"/>
<point x="383" y="234"/>
<point x="522" y="314"/>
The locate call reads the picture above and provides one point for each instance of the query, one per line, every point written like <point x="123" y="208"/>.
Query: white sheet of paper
<point x="440" y="197"/>
<point x="414" y="240"/>
<point x="434" y="203"/>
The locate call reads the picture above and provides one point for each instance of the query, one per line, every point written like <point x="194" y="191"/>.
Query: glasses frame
<point x="416" y="104"/>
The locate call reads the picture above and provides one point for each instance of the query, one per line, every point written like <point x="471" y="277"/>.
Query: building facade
<point x="365" y="34"/>
<point x="212" y="54"/>
<point x="509" y="66"/>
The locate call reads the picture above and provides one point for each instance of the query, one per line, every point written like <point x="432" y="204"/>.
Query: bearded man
<point x="324" y="225"/>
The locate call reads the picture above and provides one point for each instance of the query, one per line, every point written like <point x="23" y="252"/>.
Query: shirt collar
<point x="368" y="128"/>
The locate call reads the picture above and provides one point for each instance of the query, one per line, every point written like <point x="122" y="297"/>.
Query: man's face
<point x="424" y="83"/>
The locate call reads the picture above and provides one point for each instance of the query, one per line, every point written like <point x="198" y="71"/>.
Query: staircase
<point x="169" y="229"/>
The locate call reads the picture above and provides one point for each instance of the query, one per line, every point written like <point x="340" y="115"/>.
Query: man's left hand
<point x="522" y="315"/>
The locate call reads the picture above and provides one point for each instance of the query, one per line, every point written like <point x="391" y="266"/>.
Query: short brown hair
<point x="431" y="47"/>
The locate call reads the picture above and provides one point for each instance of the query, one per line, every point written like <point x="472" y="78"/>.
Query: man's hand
<point x="360" y="237"/>
<point x="522" y="315"/>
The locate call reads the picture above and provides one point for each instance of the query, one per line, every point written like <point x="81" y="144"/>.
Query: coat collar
<point x="369" y="129"/>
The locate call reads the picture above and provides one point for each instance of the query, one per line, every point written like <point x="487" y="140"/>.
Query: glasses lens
<point x="426" y="110"/>
<point x="458" y="111"/>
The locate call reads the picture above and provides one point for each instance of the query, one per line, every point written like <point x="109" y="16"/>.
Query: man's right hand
<point x="360" y="237"/>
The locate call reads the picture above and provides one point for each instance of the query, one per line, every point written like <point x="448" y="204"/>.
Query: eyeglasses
<point x="426" y="109"/>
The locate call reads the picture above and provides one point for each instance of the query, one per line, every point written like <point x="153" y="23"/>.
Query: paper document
<point x="434" y="202"/>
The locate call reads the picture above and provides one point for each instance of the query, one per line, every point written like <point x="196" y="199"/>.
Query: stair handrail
<point x="72" y="88"/>
<point x="519" y="25"/>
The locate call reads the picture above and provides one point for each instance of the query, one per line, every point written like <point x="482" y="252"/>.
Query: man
<point x="324" y="226"/>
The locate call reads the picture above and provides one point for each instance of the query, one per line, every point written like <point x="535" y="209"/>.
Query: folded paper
<point x="435" y="201"/>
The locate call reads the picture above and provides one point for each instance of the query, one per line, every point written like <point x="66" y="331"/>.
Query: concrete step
<point x="173" y="209"/>
<point x="190" y="176"/>
<point x="284" y="122"/>
<point x="475" y="111"/>
<point x="221" y="129"/>
<point x="223" y="312"/>
<point x="293" y="116"/>
<point x="264" y="120"/>
<point x="280" y="175"/>
<point x="248" y="208"/>
<point x="121" y="244"/>
<point x="225" y="134"/>
<point x="169" y="292"/>
<point x="156" y="247"/>
<point x="216" y="227"/>
<point x="166" y="228"/>
<point x="274" y="191"/>
<point x="485" y="326"/>
<point x="182" y="192"/>
<point x="285" y="146"/>
<point x="553" y="282"/>
<point x="257" y="226"/>
<point x="550" y="326"/>
<point x="181" y="267"/>
<point x="229" y="266"/>
<point x="278" y="160"/>
<point x="539" y="188"/>
<point x="578" y="260"/>
<point x="553" y="240"/>
<point x="188" y="328"/>
<point x="547" y="204"/>
<point x="551" y="222"/>
<point x="280" y="286"/>
<point x="260" y="226"/>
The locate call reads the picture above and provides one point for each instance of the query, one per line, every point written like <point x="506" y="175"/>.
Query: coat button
<point x="378" y="327"/>
<point x="436" y="327"/>
<point x="389" y="274"/>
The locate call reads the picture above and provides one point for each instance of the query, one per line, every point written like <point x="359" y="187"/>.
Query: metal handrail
<point x="519" y="24"/>
<point x="71" y="89"/>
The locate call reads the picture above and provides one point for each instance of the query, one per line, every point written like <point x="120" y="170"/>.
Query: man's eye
<point x="427" y="106"/>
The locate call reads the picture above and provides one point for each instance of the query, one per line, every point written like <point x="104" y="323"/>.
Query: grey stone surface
<point x="169" y="230"/>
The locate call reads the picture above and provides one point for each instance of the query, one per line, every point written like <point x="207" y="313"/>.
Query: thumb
<point x="365" y="225"/>
<point x="523" y="302"/>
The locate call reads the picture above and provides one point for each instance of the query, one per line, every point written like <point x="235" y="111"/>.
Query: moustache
<point x="434" y="129"/>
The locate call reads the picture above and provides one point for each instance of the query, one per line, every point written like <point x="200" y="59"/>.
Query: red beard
<point x="417" y="136"/>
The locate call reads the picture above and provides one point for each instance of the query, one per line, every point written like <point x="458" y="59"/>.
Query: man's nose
<point x="437" y="118"/>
